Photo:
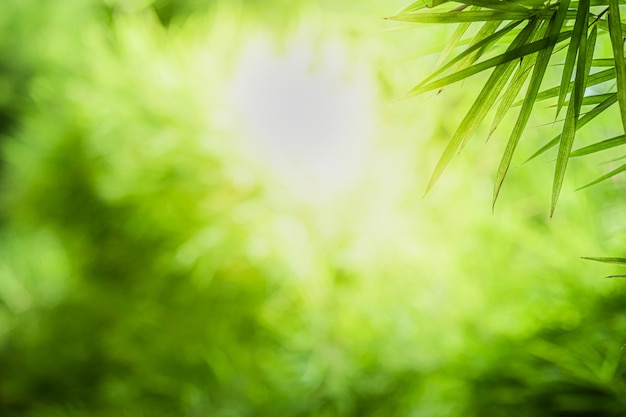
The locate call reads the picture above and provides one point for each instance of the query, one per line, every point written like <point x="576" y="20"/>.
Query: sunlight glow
<point x="307" y="114"/>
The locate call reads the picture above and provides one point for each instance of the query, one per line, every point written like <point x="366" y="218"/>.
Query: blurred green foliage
<point x="150" y="266"/>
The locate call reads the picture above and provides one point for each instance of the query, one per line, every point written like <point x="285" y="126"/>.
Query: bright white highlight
<point x="307" y="114"/>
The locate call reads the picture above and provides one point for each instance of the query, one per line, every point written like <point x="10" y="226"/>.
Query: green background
<point x="215" y="208"/>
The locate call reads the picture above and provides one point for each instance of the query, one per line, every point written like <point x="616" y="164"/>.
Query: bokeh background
<point x="215" y="208"/>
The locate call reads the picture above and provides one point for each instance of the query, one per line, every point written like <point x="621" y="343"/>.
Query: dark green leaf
<point x="573" y="109"/>
<point x="580" y="29"/>
<point x="617" y="44"/>
<point x="619" y="261"/>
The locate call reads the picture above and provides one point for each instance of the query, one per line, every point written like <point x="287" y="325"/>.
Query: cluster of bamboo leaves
<point x="516" y="40"/>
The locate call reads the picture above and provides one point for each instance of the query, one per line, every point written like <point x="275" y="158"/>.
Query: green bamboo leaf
<point x="543" y="59"/>
<point x="545" y="44"/>
<point x="604" y="25"/>
<point x="592" y="99"/>
<point x="599" y="146"/>
<point x="573" y="109"/>
<point x="574" y="4"/>
<point x="606" y="260"/>
<point x="520" y="77"/>
<point x="617" y="43"/>
<point x="452" y="43"/>
<point x="580" y="26"/>
<point x="505" y="6"/>
<point x="461" y="16"/>
<point x="603" y="62"/>
<point x="486" y="31"/>
<point x="481" y="106"/>
<point x="470" y="50"/>
<point x="594" y="79"/>
<point x="605" y="177"/>
<point x="421" y="4"/>
<point x="595" y="112"/>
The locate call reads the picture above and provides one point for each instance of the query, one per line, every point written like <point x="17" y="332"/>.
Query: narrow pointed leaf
<point x="599" y="146"/>
<point x="606" y="260"/>
<point x="543" y="45"/>
<point x="580" y="26"/>
<point x="481" y="106"/>
<point x="617" y="44"/>
<point x="592" y="100"/>
<point x="573" y="109"/>
<point x="594" y="79"/>
<point x="487" y="31"/>
<point x="543" y="58"/>
<point x="470" y="50"/>
<point x="595" y="112"/>
<point x="452" y="43"/>
<point x="605" y="177"/>
<point x="520" y="77"/>
<point x="421" y="4"/>
<point x="505" y="6"/>
<point x="460" y="16"/>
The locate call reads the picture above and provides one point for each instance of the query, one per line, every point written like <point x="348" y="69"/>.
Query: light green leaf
<point x="605" y="177"/>
<point x="595" y="112"/>
<point x="545" y="44"/>
<point x="594" y="79"/>
<point x="421" y="4"/>
<point x="593" y="99"/>
<point x="461" y="16"/>
<point x="452" y="43"/>
<point x="573" y="109"/>
<point x="543" y="59"/>
<point x="505" y="6"/>
<point x="471" y="49"/>
<point x="485" y="32"/>
<point x="481" y="106"/>
<point x="522" y="73"/>
<point x="599" y="146"/>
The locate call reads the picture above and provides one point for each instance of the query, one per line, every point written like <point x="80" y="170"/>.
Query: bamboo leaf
<point x="485" y="32"/>
<point x="599" y="146"/>
<point x="461" y="16"/>
<point x="595" y="112"/>
<point x="606" y="260"/>
<point x="604" y="177"/>
<point x="543" y="58"/>
<point x="594" y="79"/>
<point x="580" y="25"/>
<point x="545" y="44"/>
<point x="604" y="62"/>
<point x="452" y="43"/>
<point x="617" y="44"/>
<point x="421" y="4"/>
<point x="520" y="77"/>
<point x="481" y="106"/>
<point x="592" y="99"/>
<point x="470" y="49"/>
<point x="505" y="6"/>
<point x="573" y="109"/>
